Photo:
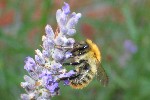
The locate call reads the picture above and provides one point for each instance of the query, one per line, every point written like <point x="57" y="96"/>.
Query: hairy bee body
<point x="86" y="71"/>
<point x="87" y="58"/>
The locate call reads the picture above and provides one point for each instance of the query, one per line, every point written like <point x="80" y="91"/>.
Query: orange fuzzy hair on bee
<point x="95" y="49"/>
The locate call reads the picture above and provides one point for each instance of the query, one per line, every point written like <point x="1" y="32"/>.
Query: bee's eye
<point x="86" y="46"/>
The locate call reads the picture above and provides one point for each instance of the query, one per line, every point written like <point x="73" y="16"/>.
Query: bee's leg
<point x="62" y="47"/>
<point x="74" y="63"/>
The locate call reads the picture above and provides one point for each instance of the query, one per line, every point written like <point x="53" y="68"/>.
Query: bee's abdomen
<point x="82" y="80"/>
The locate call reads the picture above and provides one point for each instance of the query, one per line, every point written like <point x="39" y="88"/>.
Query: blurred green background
<point x="109" y="23"/>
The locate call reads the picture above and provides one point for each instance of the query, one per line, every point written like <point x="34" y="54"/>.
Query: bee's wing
<point x="101" y="75"/>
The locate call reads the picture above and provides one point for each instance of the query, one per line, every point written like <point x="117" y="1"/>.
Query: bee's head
<point x="81" y="45"/>
<point x="80" y="48"/>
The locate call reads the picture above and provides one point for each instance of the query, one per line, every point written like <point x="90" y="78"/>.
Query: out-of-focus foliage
<point x="109" y="23"/>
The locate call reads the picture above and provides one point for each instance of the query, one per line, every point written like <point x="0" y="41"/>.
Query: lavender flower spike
<point x="130" y="46"/>
<point x="46" y="70"/>
<point x="67" y="26"/>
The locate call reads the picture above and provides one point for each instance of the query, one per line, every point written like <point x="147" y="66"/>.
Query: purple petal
<point x="130" y="46"/>
<point x="46" y="54"/>
<point x="45" y="94"/>
<point x="73" y="20"/>
<point x="25" y="97"/>
<point x="66" y="8"/>
<point x="63" y="30"/>
<point x="34" y="75"/>
<point x="71" y="23"/>
<point x="39" y="60"/>
<point x="53" y="87"/>
<point x="70" y="42"/>
<point x="29" y="79"/>
<point x="45" y="73"/>
<point x="48" y="44"/>
<point x="73" y="15"/>
<point x="65" y="75"/>
<point x="71" y="72"/>
<point x="24" y="84"/>
<point x="30" y="83"/>
<point x="71" y="32"/>
<point x="66" y="82"/>
<point x="60" y="40"/>
<point x="29" y="64"/>
<point x="68" y="55"/>
<point x="62" y="20"/>
<point x="56" y="66"/>
<point x="58" y="55"/>
<point x="58" y="14"/>
<point x="49" y="82"/>
<point x="78" y="15"/>
<point x="49" y="31"/>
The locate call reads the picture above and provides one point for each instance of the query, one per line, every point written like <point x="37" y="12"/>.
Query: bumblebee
<point x="87" y="61"/>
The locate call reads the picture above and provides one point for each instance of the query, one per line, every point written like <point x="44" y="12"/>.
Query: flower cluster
<point x="46" y="70"/>
<point x="129" y="49"/>
<point x="130" y="46"/>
